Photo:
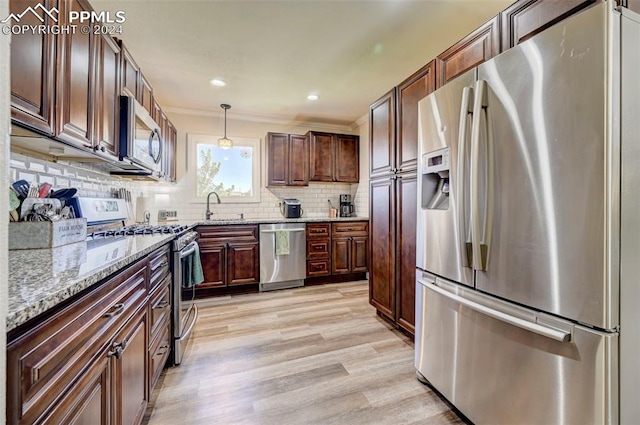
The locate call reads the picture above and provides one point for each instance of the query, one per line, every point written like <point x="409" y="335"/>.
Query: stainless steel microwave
<point x="140" y="140"/>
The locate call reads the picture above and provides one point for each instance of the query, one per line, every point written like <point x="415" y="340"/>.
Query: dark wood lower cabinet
<point x="129" y="355"/>
<point x="243" y="263"/>
<point x="88" y="362"/>
<point x="230" y="256"/>
<point x="382" y="288"/>
<point x="405" y="256"/>
<point x="88" y="401"/>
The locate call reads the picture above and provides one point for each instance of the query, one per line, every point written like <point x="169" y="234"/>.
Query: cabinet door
<point x="32" y="71"/>
<point x="277" y="159"/>
<point x="382" y="246"/>
<point x="298" y="161"/>
<point x="213" y="257"/>
<point x="382" y="135"/>
<point x="171" y="151"/>
<point x="526" y="18"/>
<point x="108" y="111"/>
<point x="406" y="206"/>
<point x="131" y="371"/>
<point x="359" y="254"/>
<point x="130" y="74"/>
<point x="88" y="400"/>
<point x="347" y="160"/>
<point x="321" y="156"/>
<point x="243" y="263"/>
<point x="410" y="92"/>
<point x="145" y="94"/>
<point x="75" y="92"/>
<point x="340" y="253"/>
<point x="477" y="47"/>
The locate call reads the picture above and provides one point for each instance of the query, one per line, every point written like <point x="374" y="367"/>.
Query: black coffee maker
<point x="347" y="208"/>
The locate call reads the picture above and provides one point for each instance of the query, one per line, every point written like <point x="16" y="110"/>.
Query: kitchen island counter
<point x="40" y="279"/>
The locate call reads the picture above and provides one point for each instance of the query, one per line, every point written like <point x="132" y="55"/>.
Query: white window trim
<point x="192" y="161"/>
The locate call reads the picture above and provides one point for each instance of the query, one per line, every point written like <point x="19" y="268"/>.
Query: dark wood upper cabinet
<point x="130" y="73"/>
<point x="32" y="71"/>
<point x="321" y="156"/>
<point x="333" y="157"/>
<point x="145" y="94"/>
<point x="410" y="92"/>
<point x="287" y="160"/>
<point x="526" y="18"/>
<point x="298" y="168"/>
<point x="347" y="158"/>
<point x="382" y="134"/>
<point x="171" y="150"/>
<point x="75" y="89"/>
<point x="476" y="48"/>
<point x="108" y="92"/>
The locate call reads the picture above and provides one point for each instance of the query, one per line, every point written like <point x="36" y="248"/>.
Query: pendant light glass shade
<point x="224" y="142"/>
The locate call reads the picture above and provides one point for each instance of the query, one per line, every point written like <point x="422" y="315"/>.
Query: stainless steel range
<point x="105" y="221"/>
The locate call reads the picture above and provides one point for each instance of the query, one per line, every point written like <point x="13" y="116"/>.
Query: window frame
<point x="192" y="167"/>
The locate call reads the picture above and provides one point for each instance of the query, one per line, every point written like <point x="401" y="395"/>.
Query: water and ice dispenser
<point x="435" y="179"/>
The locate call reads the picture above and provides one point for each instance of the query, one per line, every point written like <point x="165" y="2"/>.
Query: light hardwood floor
<point x="312" y="355"/>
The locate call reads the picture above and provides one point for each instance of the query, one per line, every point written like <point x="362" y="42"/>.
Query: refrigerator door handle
<point x="537" y="328"/>
<point x="466" y="109"/>
<point x="478" y="244"/>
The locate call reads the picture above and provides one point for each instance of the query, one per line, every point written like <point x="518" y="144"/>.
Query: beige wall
<point x="4" y="167"/>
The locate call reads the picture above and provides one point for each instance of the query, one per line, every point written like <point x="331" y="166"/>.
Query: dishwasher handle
<point x="282" y="230"/>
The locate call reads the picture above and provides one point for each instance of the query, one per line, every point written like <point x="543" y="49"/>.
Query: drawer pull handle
<point x="318" y="247"/>
<point x="117" y="348"/>
<point x="164" y="349"/>
<point x="162" y="304"/>
<point x="115" y="310"/>
<point x="165" y="263"/>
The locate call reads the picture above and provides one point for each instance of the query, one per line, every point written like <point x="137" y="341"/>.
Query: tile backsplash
<point x="92" y="180"/>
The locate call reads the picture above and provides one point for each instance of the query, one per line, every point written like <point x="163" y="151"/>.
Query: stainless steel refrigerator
<point x="528" y="231"/>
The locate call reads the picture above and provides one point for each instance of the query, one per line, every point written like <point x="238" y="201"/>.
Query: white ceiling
<point x="274" y="53"/>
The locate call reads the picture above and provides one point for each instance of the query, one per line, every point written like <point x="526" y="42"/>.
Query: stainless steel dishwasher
<point x="283" y="248"/>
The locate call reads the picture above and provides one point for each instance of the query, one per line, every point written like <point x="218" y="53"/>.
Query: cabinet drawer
<point x="159" y="352"/>
<point x="320" y="267"/>
<point x="318" y="230"/>
<point x="318" y="248"/>
<point x="160" y="305"/>
<point x="354" y="228"/>
<point x="245" y="233"/>
<point x="49" y="357"/>
<point x="159" y="266"/>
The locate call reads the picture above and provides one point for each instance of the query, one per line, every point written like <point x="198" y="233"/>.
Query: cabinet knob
<point x="102" y="148"/>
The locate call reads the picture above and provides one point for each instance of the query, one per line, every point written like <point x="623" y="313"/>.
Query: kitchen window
<point x="234" y="174"/>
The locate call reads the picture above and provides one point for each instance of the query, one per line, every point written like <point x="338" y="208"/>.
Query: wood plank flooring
<point x="312" y="355"/>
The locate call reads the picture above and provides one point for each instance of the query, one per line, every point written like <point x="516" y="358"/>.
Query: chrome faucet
<point x="208" y="213"/>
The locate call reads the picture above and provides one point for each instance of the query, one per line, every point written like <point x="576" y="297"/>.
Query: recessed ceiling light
<point x="217" y="82"/>
<point x="313" y="97"/>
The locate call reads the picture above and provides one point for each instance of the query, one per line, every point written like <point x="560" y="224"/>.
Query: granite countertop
<point x="39" y="279"/>
<point x="222" y="221"/>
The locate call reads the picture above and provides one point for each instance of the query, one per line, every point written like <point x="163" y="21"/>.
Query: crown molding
<point x="360" y="122"/>
<point x="269" y="119"/>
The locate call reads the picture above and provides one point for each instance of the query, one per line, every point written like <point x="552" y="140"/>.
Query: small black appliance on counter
<point x="347" y="209"/>
<point x="291" y="208"/>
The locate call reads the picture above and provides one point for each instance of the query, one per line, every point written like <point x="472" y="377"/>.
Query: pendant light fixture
<point x="225" y="143"/>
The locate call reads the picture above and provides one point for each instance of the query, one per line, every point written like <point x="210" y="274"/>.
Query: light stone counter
<point x="39" y="279"/>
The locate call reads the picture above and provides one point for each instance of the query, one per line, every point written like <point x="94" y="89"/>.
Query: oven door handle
<point x="188" y="250"/>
